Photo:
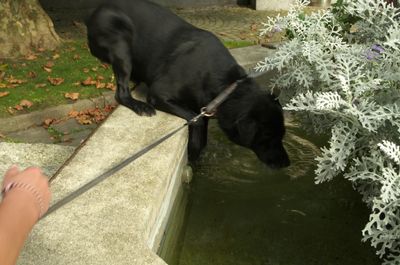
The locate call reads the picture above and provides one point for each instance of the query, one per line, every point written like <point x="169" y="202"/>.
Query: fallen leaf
<point x="31" y="57"/>
<point x="56" y="81"/>
<point x="84" y="119"/>
<point x="41" y="49"/>
<point x="10" y="110"/>
<point x="100" y="77"/>
<point x="86" y="70"/>
<point x="73" y="113"/>
<point x="105" y="66"/>
<point x="253" y="27"/>
<point x="109" y="108"/>
<point x="94" y="69"/>
<point x="49" y="64"/>
<point x="89" y="81"/>
<point x="56" y="56"/>
<point x="73" y="96"/>
<point x="32" y="74"/>
<point x="48" y="122"/>
<point x="18" y="107"/>
<point x="3" y="94"/>
<point x="77" y="83"/>
<point x="26" y="103"/>
<point x="3" y="85"/>
<point x="47" y="69"/>
<point x="76" y="57"/>
<point x="100" y="85"/>
<point x="2" y="136"/>
<point x="41" y="85"/>
<point x="12" y="80"/>
<point x="111" y="86"/>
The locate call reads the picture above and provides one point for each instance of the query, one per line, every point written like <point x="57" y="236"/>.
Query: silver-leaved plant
<point x="339" y="70"/>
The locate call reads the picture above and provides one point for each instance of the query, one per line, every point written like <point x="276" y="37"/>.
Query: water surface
<point x="241" y="213"/>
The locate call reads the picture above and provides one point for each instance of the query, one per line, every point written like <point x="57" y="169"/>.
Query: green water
<point x="241" y="213"/>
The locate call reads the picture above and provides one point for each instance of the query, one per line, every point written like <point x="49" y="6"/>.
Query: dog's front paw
<point x="144" y="109"/>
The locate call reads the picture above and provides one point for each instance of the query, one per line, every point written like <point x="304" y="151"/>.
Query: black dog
<point x="184" y="68"/>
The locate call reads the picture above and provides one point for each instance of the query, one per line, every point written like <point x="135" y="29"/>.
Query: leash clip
<point x="204" y="112"/>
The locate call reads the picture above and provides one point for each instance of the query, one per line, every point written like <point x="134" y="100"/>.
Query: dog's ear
<point x="247" y="131"/>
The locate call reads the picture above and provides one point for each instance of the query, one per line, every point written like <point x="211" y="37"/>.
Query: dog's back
<point x="156" y="35"/>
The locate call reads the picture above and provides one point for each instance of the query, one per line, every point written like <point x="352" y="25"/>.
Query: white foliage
<point x="348" y="83"/>
<point x="391" y="149"/>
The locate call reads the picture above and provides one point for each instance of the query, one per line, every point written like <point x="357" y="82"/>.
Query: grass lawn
<point x="43" y="79"/>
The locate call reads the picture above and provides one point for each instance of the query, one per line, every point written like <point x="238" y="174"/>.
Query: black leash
<point x="206" y="111"/>
<point x="111" y="171"/>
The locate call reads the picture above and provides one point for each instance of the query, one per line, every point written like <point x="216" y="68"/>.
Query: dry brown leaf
<point x="31" y="57"/>
<point x="100" y="85"/>
<point x="32" y="74"/>
<point x="26" y="103"/>
<point x="77" y="83"/>
<point x="94" y="69"/>
<point x="100" y="77"/>
<point x="56" y="81"/>
<point x="18" y="107"/>
<point x="86" y="70"/>
<point x="73" y="114"/>
<point x="41" y="85"/>
<point x="41" y="49"/>
<point x="3" y="94"/>
<point x="49" y="64"/>
<point x="84" y="119"/>
<point x="89" y="81"/>
<point x="253" y="27"/>
<point x="111" y="86"/>
<point x="105" y="66"/>
<point x="109" y="108"/>
<point x="12" y="80"/>
<point x="47" y="69"/>
<point x="2" y="136"/>
<point x="3" y="85"/>
<point x="48" y="122"/>
<point x="10" y="110"/>
<point x="56" y="56"/>
<point x="76" y="57"/>
<point x="73" y="96"/>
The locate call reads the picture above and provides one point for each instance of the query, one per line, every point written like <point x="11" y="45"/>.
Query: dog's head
<point x="256" y="121"/>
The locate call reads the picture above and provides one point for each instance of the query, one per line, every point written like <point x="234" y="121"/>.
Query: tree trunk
<point x="25" y="27"/>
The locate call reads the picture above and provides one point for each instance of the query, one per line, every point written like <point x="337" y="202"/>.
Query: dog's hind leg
<point x="122" y="69"/>
<point x="110" y="33"/>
